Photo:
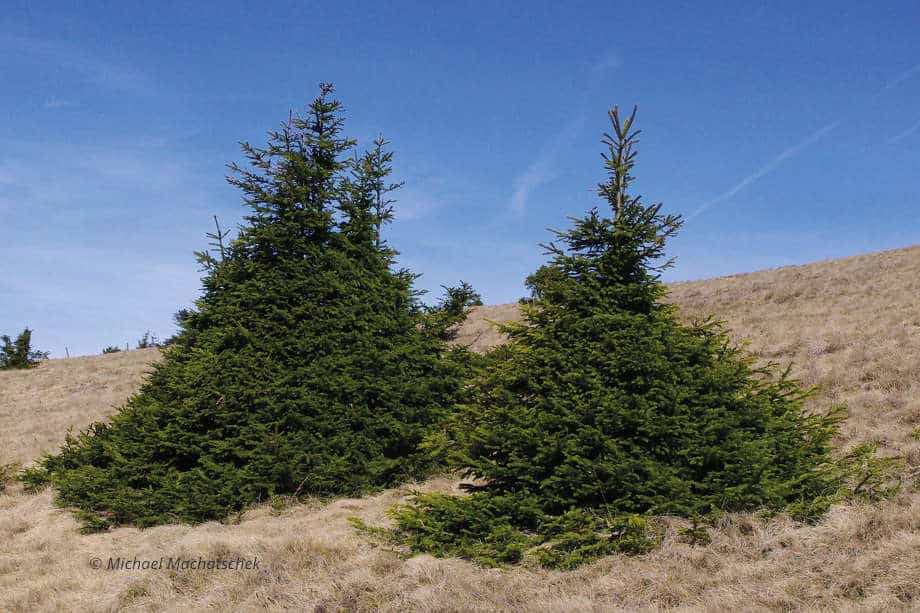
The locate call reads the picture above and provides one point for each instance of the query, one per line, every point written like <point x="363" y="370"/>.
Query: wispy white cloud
<point x="766" y="168"/>
<point x="67" y="181"/>
<point x="85" y="297"/>
<point x="415" y="202"/>
<point x="105" y="72"/>
<point x="902" y="135"/>
<point x="537" y="174"/>
<point x="104" y="238"/>
<point x="542" y="170"/>
<point x="611" y="61"/>
<point x="424" y="191"/>
<point x="56" y="103"/>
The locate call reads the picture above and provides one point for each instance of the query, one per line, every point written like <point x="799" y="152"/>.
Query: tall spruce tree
<point x="304" y="368"/>
<point x="604" y="404"/>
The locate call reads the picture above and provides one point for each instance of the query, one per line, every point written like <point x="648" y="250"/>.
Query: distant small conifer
<point x="18" y="353"/>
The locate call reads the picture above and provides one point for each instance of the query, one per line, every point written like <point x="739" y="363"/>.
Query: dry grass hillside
<point x="38" y="406"/>
<point x="851" y="326"/>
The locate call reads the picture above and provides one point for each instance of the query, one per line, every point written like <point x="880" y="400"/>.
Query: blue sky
<point x="785" y="131"/>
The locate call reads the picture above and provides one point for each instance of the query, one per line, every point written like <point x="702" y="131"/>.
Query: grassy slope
<point x="851" y="326"/>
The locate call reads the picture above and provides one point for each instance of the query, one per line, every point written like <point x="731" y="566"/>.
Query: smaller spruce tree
<point x="605" y="408"/>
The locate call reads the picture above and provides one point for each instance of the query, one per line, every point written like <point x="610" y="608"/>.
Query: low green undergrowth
<point x="495" y="531"/>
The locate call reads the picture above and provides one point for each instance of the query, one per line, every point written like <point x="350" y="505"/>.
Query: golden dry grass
<point x="479" y="332"/>
<point x="851" y="326"/>
<point x="38" y="406"/>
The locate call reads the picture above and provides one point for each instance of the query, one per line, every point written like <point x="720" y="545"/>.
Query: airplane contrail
<point x="766" y="168"/>
<point x="810" y="140"/>
<point x="897" y="81"/>
<point x="899" y="137"/>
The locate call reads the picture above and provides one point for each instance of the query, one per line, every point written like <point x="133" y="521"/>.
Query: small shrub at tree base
<point x="696" y="533"/>
<point x="376" y="534"/>
<point x="8" y="474"/>
<point x="498" y="530"/>
<point x="605" y="406"/>
<point x="34" y="478"/>
<point x="304" y="368"/>
<point x="578" y="537"/>
<point x="486" y="529"/>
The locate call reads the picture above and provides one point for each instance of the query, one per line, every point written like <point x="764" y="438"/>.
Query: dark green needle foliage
<point x="605" y="407"/>
<point x="19" y="353"/>
<point x="444" y="319"/>
<point x="304" y="367"/>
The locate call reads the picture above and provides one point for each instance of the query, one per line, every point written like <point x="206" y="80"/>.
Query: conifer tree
<point x="443" y="320"/>
<point x="605" y="406"/>
<point x="304" y="367"/>
<point x="19" y="353"/>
